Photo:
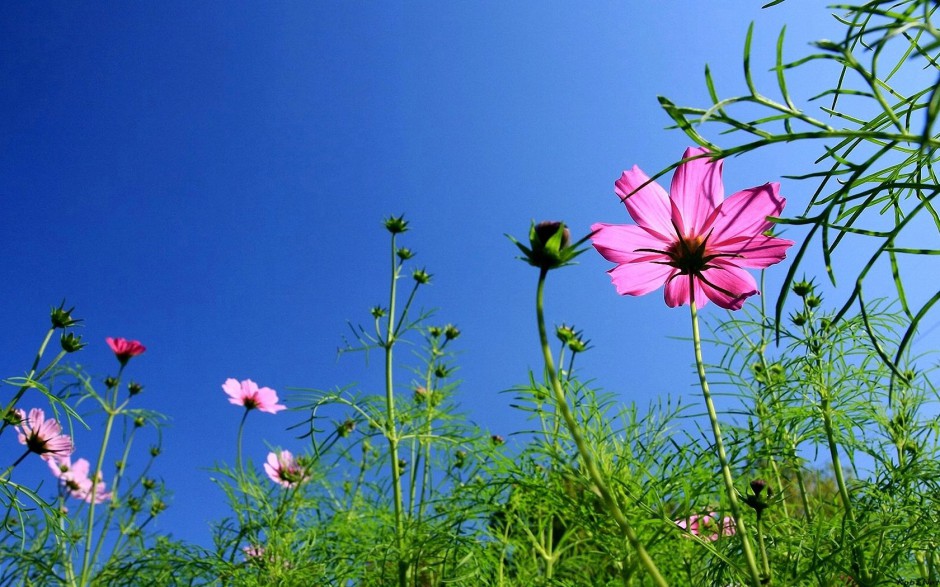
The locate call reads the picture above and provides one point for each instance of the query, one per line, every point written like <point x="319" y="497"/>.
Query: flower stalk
<point x="610" y="500"/>
<point x="741" y="528"/>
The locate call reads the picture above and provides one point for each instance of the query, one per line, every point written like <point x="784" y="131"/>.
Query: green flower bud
<point x="71" y="343"/>
<point x="802" y="288"/>
<point x="377" y="312"/>
<point x="133" y="388"/>
<point x="396" y="225"/>
<point x="154" y="451"/>
<point x="62" y="318"/>
<point x="346" y="428"/>
<point x="404" y="253"/>
<point x="148" y="483"/>
<point x="421" y="276"/>
<point x="156" y="507"/>
<point x="110" y="382"/>
<point x="435" y="331"/>
<point x="451" y="332"/>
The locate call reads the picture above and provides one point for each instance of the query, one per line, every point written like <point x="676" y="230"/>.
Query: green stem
<point x="391" y="432"/>
<point x="238" y="447"/>
<point x="610" y="501"/>
<point x="29" y="377"/>
<point x="741" y="529"/>
<point x="765" y="560"/>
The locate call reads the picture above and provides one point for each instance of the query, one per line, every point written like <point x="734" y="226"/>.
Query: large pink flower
<point x="284" y="469"/>
<point x="691" y="237"/>
<point x="41" y="436"/>
<point x="248" y="394"/>
<point x="125" y="349"/>
<point x="74" y="477"/>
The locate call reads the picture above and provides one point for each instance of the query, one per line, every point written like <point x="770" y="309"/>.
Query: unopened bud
<point x="71" y="343"/>
<point x="421" y="276"/>
<point x="404" y="253"/>
<point x="62" y="318"/>
<point x="133" y="388"/>
<point x="110" y="382"/>
<point x="396" y="225"/>
<point x="451" y="332"/>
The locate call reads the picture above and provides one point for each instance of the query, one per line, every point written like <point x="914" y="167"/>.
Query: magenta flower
<point x="41" y="436"/>
<point x="125" y="349"/>
<point x="692" y="237"/>
<point x="74" y="477"/>
<point x="248" y="394"/>
<point x="284" y="469"/>
<point x="708" y="526"/>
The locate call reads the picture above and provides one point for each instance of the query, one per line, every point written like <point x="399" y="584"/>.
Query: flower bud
<point x="404" y="253"/>
<point x="133" y="388"/>
<point x="71" y="343"/>
<point x="451" y="332"/>
<point x="813" y="301"/>
<point x="758" y="485"/>
<point x="154" y="451"/>
<point x="139" y="422"/>
<point x="396" y="225"/>
<point x="377" y="312"/>
<point x="346" y="428"/>
<point x="460" y="458"/>
<point x="497" y="439"/>
<point x="110" y="382"/>
<point x="62" y="318"/>
<point x="148" y="483"/>
<point x="442" y="371"/>
<point x="802" y="288"/>
<point x="157" y="507"/>
<point x="421" y="276"/>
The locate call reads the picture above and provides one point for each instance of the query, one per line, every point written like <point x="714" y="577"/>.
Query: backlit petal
<point x="649" y="207"/>
<point x="755" y="252"/>
<point x="697" y="189"/>
<point x="745" y="213"/>
<point x="676" y="292"/>
<point x="728" y="285"/>
<point x="637" y="279"/>
<point x="622" y="243"/>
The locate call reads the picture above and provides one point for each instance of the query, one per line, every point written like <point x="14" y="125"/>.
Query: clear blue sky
<point x="210" y="178"/>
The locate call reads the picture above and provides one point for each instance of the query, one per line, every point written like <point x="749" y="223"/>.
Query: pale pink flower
<point x="125" y="349"/>
<point x="253" y="551"/>
<point x="248" y="394"/>
<point x="74" y="477"/>
<point x="43" y="437"/>
<point x="708" y="526"/>
<point x="284" y="469"/>
<point x="692" y="236"/>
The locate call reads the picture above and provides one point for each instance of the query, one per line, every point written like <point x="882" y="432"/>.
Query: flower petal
<point x="697" y="189"/>
<point x="728" y="285"/>
<point x="626" y="243"/>
<point x="676" y="291"/>
<point x="637" y="279"/>
<point x="649" y="207"/>
<point x="745" y="213"/>
<point x="756" y="252"/>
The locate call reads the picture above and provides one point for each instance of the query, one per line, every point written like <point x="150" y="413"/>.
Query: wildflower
<point x="284" y="469"/>
<point x="125" y="349"/>
<point x="248" y="394"/>
<point x="691" y="237"/>
<point x="43" y="437"/>
<point x="74" y="477"/>
<point x="708" y="526"/>
<point x="253" y="552"/>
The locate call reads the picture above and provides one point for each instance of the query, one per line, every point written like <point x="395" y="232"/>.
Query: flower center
<point x="688" y="255"/>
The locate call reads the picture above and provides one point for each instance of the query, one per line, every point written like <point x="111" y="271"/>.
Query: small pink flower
<point x="253" y="552"/>
<point x="249" y="395"/>
<point x="125" y="349"/>
<point x="284" y="469"/>
<point x="41" y="436"/>
<point x="691" y="237"/>
<point x="74" y="477"/>
<point x="708" y="526"/>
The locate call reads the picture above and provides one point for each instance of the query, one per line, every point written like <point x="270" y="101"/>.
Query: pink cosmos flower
<point x="253" y="552"/>
<point x="74" y="476"/>
<point x="284" y="469"/>
<point x="125" y="349"/>
<point x="41" y="436"/>
<point x="708" y="526"/>
<point x="249" y="395"/>
<point x="692" y="237"/>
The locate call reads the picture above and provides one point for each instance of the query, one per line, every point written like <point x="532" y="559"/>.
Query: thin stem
<point x="765" y="560"/>
<point x="238" y="448"/>
<point x="29" y="377"/>
<point x="391" y="432"/>
<point x="610" y="501"/>
<point x="741" y="529"/>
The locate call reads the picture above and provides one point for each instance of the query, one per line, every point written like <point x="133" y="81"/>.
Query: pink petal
<point x="745" y="213"/>
<point x="637" y="279"/>
<point x="676" y="292"/>
<point x="728" y="285"/>
<point x="233" y="388"/>
<point x="756" y="252"/>
<point x="621" y="243"/>
<point x="697" y="189"/>
<point x="649" y="207"/>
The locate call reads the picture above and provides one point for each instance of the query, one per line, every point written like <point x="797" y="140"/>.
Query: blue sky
<point x="210" y="179"/>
